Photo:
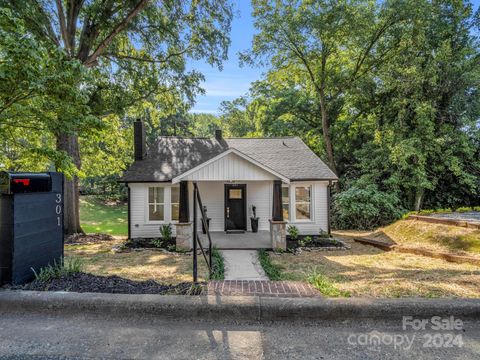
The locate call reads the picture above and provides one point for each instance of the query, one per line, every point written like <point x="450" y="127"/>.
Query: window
<point x="285" y="202"/>
<point x="235" y="194"/>
<point x="156" y="204"/>
<point x="302" y="202"/>
<point x="175" y="205"/>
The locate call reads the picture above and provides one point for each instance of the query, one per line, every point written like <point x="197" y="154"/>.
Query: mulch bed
<point x="83" y="282"/>
<point x="147" y="243"/>
<point x="317" y="242"/>
<point x="88" y="238"/>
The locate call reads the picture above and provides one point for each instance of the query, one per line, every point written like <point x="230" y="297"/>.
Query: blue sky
<point x="233" y="81"/>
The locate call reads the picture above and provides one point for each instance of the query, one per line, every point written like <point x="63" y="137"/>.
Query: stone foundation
<point x="184" y="236"/>
<point x="278" y="234"/>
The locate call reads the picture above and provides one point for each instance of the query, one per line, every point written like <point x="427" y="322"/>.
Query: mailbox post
<point x="31" y="224"/>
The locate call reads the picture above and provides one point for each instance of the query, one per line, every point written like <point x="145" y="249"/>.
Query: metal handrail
<point x="197" y="200"/>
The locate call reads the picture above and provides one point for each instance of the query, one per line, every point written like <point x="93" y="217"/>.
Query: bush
<point x="292" y="231"/>
<point x="166" y="232"/>
<point x="68" y="266"/>
<point x="305" y="242"/>
<point x="365" y="208"/>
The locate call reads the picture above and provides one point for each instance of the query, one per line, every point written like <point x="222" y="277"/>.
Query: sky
<point x="233" y="81"/>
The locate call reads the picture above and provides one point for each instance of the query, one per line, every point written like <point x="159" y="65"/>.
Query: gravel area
<point x="83" y="282"/>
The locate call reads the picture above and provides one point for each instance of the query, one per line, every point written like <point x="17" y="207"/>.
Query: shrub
<point x="157" y="242"/>
<point x="166" y="232"/>
<point x="307" y="240"/>
<point x="364" y="208"/>
<point x="65" y="267"/>
<point x="323" y="234"/>
<point x="292" y="230"/>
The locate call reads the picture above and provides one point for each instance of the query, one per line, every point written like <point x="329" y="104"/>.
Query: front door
<point x="235" y="207"/>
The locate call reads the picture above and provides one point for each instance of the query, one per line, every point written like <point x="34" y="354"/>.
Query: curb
<point x="234" y="308"/>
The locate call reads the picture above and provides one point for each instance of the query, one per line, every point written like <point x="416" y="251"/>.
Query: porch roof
<point x="171" y="157"/>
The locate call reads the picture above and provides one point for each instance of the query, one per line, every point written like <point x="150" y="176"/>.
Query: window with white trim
<point x="175" y="202"/>
<point x="156" y="204"/>
<point x="303" y="201"/>
<point x="285" y="201"/>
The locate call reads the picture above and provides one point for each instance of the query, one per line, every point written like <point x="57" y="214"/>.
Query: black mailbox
<point x="31" y="224"/>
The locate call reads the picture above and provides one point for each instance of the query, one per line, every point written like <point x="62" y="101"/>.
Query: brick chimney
<point x="218" y="135"/>
<point x="139" y="147"/>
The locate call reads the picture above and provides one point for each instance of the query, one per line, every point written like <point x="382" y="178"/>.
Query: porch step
<point x="265" y="288"/>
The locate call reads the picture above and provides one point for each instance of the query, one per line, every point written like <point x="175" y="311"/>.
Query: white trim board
<point x="178" y="178"/>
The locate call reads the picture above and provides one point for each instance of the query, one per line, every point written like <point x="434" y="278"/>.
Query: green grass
<point x="68" y="266"/>
<point x="272" y="271"/>
<point x="218" y="266"/>
<point x="98" y="217"/>
<point x="325" y="285"/>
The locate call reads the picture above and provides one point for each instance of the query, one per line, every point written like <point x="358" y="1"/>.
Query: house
<point x="281" y="177"/>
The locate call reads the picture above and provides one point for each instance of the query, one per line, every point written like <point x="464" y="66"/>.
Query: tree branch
<point x="63" y="26"/>
<point x="92" y="59"/>
<point x="148" y="59"/>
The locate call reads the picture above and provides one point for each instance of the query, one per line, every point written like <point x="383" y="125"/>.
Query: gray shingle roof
<point x="172" y="156"/>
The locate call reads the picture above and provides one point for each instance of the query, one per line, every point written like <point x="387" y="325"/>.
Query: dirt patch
<point x="83" y="282"/>
<point x="88" y="238"/>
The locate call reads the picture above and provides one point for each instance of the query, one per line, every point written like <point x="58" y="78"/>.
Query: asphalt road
<point x="46" y="336"/>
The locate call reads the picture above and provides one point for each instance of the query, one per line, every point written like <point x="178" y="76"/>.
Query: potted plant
<point x="254" y="219"/>
<point x="208" y="220"/>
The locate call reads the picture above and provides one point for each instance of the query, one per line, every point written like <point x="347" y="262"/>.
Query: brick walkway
<point x="261" y="288"/>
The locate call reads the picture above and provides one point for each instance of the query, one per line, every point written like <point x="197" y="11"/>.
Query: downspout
<point x="329" y="190"/>
<point x="128" y="213"/>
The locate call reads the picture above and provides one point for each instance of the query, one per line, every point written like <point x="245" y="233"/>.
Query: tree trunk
<point x="326" y="135"/>
<point x="419" y="199"/>
<point x="69" y="144"/>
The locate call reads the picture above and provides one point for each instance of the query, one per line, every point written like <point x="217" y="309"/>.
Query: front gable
<point x="230" y="166"/>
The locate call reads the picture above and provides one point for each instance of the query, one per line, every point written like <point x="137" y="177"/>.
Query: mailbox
<point x="31" y="224"/>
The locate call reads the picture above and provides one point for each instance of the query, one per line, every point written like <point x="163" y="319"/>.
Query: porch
<point x="237" y="241"/>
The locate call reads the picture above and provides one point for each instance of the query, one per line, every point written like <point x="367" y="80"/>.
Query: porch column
<point x="278" y="235"/>
<point x="184" y="238"/>
<point x="184" y="215"/>
<point x="277" y="213"/>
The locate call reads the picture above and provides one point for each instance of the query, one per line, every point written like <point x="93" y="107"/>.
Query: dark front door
<point x="235" y="207"/>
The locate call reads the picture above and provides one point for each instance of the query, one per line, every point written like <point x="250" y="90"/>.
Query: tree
<point x="130" y="49"/>
<point x="332" y="43"/>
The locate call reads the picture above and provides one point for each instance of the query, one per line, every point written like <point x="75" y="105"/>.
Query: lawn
<point x="435" y="237"/>
<point x="167" y="268"/>
<point x="97" y="216"/>
<point x="368" y="271"/>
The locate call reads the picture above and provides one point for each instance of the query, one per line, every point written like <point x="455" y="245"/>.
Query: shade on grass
<point x="97" y="217"/>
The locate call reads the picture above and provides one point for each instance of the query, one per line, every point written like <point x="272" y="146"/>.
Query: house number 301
<point x="58" y="209"/>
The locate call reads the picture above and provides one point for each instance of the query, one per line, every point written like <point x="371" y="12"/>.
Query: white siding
<point x="259" y="193"/>
<point x="230" y="167"/>
<point x="139" y="224"/>
<point x="319" y="208"/>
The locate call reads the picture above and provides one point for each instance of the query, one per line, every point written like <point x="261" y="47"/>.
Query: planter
<point x="203" y="227"/>
<point x="254" y="223"/>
